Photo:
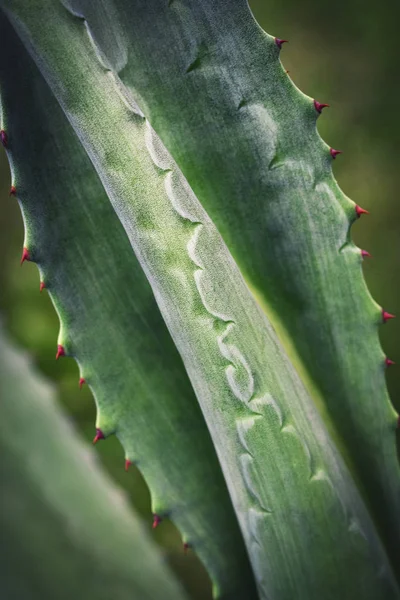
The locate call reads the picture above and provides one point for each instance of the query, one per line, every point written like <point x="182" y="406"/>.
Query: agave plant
<point x="67" y="532"/>
<point x="181" y="208"/>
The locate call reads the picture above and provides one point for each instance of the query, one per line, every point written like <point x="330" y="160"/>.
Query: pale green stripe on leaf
<point x="111" y="324"/>
<point x="211" y="84"/>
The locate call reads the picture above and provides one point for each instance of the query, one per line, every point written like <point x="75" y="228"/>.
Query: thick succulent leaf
<point x="305" y="525"/>
<point x="66" y="531"/>
<point x="111" y="324"/>
<point x="211" y="84"/>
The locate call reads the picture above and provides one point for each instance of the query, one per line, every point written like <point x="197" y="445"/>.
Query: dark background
<point x="343" y="53"/>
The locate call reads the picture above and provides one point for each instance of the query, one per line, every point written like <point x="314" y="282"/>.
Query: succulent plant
<point x="182" y="211"/>
<point x="67" y="531"/>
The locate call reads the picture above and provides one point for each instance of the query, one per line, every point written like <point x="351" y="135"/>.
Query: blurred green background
<point x="343" y="53"/>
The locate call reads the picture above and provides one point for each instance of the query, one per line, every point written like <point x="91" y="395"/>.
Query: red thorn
<point x="13" y="190"/>
<point x="186" y="547"/>
<point x="389" y="362"/>
<point x="334" y="152"/>
<point x="4" y="138"/>
<point x="60" y="351"/>
<point x="99" y="436"/>
<point x="386" y="316"/>
<point x="81" y="382"/>
<point x="25" y="255"/>
<point x="42" y="286"/>
<point x="319" y="106"/>
<point x="279" y="42"/>
<point x="156" y="521"/>
<point x="365" y="254"/>
<point x="127" y="464"/>
<point x="360" y="211"/>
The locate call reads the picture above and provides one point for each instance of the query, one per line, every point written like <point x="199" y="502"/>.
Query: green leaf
<point x="305" y="526"/>
<point x="211" y="84"/>
<point x="111" y="325"/>
<point x="67" y="532"/>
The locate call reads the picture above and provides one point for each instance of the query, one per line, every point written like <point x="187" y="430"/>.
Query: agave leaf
<point x="287" y="481"/>
<point x="111" y="325"/>
<point x="245" y="137"/>
<point x="67" y="532"/>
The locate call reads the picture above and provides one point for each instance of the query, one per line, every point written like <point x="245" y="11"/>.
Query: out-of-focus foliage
<point x="67" y="531"/>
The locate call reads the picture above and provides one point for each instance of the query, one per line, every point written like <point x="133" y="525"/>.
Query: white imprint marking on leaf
<point x="126" y="95"/>
<point x="238" y="373"/>
<point x="157" y="150"/>
<point x="248" y="466"/>
<point x="267" y="401"/>
<point x="355" y="527"/>
<point x="201" y="277"/>
<point x="243" y="427"/>
<point x="321" y="476"/>
<point x="182" y="197"/>
<point x="292" y="431"/>
<point x="261" y="569"/>
<point x="191" y="248"/>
